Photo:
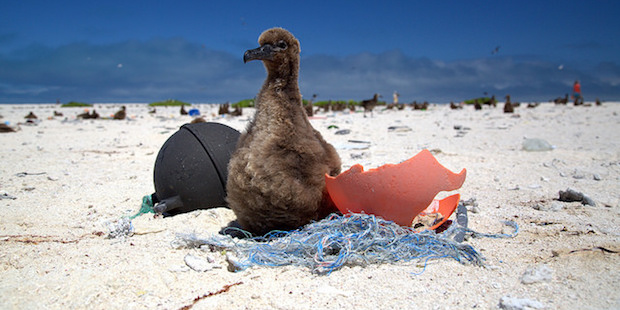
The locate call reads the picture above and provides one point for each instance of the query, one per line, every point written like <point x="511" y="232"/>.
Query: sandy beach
<point x="63" y="181"/>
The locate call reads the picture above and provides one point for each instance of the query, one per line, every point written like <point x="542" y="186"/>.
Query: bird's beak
<point x="264" y="52"/>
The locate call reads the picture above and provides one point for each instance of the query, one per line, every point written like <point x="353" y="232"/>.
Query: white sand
<point x="54" y="256"/>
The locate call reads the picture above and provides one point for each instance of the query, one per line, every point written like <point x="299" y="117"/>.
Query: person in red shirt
<point x="577" y="93"/>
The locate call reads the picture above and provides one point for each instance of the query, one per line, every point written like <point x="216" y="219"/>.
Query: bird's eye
<point x="281" y="45"/>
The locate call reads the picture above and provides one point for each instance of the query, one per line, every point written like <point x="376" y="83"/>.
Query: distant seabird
<point x="121" y="114"/>
<point x="6" y="128"/>
<point x="477" y="105"/>
<point x="421" y="106"/>
<point x="87" y="115"/>
<point x="198" y="120"/>
<point x="560" y="100"/>
<point x="310" y="105"/>
<point x="223" y="109"/>
<point x="508" y="107"/>
<point x="84" y="115"/>
<point x="31" y="116"/>
<point x="490" y="101"/>
<point x="238" y="111"/>
<point x="183" y="112"/>
<point x="370" y="104"/>
<point x="327" y="106"/>
<point x="276" y="177"/>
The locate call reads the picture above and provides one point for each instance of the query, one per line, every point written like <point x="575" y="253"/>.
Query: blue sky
<point x="143" y="51"/>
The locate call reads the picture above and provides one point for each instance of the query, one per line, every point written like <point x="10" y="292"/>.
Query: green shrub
<point x="347" y="102"/>
<point x="245" y="103"/>
<point x="71" y="104"/>
<point x="480" y="100"/>
<point x="320" y="103"/>
<point x="169" y="102"/>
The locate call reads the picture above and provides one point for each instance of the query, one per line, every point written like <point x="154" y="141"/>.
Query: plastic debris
<point x="396" y="192"/>
<point x="536" y="145"/>
<point x="199" y="264"/>
<point x="512" y="303"/>
<point x="351" y="146"/>
<point x="7" y="196"/>
<point x="120" y="228"/>
<point x="146" y="207"/>
<point x="537" y="274"/>
<point x="461" y="220"/>
<point x="399" y="129"/>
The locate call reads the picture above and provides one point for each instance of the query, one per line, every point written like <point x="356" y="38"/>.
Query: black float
<point x="192" y="167"/>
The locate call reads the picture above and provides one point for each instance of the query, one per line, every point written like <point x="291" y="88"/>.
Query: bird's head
<point x="277" y="45"/>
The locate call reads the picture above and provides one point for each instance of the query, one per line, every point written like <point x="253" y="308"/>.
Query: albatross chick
<point x="276" y="176"/>
<point x="120" y="114"/>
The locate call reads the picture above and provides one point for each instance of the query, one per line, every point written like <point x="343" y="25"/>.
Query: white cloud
<point x="145" y="71"/>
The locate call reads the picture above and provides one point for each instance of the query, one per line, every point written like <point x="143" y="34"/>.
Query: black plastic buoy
<point x="192" y="167"/>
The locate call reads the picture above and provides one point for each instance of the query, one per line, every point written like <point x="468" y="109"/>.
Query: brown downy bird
<point x="85" y="115"/>
<point x="198" y="120"/>
<point x="310" y="105"/>
<point x="276" y="177"/>
<point x="121" y="114"/>
<point x="560" y="100"/>
<point x="30" y="116"/>
<point x="420" y="106"/>
<point x="508" y="106"/>
<point x="6" y="128"/>
<point x="477" y="105"/>
<point x="223" y="109"/>
<point x="491" y="101"/>
<point x="238" y="111"/>
<point x="183" y="112"/>
<point x="455" y="106"/>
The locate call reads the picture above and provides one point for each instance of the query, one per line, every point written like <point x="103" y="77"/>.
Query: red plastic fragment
<point x="396" y="192"/>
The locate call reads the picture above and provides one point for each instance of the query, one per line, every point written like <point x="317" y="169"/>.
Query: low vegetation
<point x="169" y="102"/>
<point x="480" y="100"/>
<point x="72" y="104"/>
<point x="246" y="103"/>
<point x="336" y="102"/>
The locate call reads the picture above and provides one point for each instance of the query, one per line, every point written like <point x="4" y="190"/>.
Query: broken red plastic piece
<point x="445" y="207"/>
<point x="396" y="192"/>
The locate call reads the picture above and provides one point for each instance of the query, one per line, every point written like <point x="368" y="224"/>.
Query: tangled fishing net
<point x="336" y="241"/>
<point x="123" y="228"/>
